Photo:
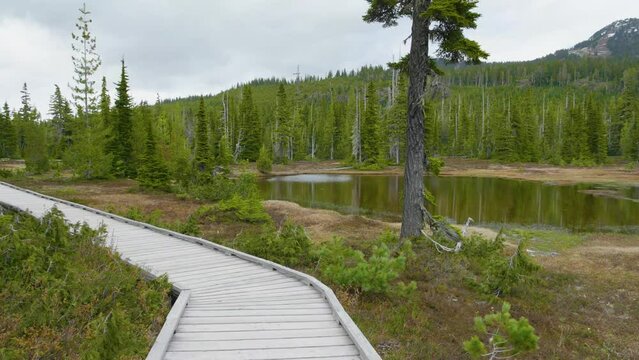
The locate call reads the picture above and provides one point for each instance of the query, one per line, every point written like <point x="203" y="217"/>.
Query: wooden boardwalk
<point x="231" y="305"/>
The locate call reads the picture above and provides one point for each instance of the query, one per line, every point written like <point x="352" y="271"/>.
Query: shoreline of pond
<point x="611" y="175"/>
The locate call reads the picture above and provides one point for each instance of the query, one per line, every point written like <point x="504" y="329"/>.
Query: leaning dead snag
<point x="441" y="229"/>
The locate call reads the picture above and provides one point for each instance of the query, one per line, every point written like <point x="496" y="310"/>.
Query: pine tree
<point x="250" y="126"/>
<point x="282" y="133"/>
<point x="630" y="137"/>
<point x="526" y="134"/>
<point x="7" y="133"/>
<point x="575" y="137"/>
<point x="105" y="104"/>
<point x="370" y="126"/>
<point x="596" y="132"/>
<point x="153" y="174"/>
<point x="202" y="159"/>
<point x="430" y="129"/>
<point x="123" y="128"/>
<point x="443" y="22"/>
<point x="224" y="156"/>
<point x="626" y="108"/>
<point x="504" y="140"/>
<point x="61" y="120"/>
<point x="86" y="62"/>
<point x="24" y="119"/>
<point x="36" y="156"/>
<point x="397" y="121"/>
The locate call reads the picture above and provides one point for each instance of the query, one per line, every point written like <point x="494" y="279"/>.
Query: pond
<point x="486" y="200"/>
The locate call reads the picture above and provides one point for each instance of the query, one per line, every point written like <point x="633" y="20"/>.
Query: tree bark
<point x="413" y="218"/>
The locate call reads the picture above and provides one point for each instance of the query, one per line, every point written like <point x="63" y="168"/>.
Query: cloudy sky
<point x="179" y="48"/>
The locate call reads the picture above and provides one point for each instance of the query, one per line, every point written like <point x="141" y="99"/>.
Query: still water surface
<point x="486" y="200"/>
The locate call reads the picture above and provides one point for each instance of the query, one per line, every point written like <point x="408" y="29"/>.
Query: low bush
<point x="496" y="273"/>
<point x="249" y="209"/>
<point x="377" y="274"/>
<point x="501" y="336"/>
<point x="66" y="297"/>
<point x="290" y="245"/>
<point x="435" y="165"/>
<point x="264" y="163"/>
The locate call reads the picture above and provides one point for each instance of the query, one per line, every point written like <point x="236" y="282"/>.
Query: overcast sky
<point x="188" y="47"/>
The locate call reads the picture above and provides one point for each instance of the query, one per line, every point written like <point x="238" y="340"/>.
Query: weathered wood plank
<point x="258" y="334"/>
<point x="270" y="312"/>
<point x="296" y="353"/>
<point x="258" y="344"/>
<point x="271" y="300"/>
<point x="307" y="325"/>
<point x="253" y="284"/>
<point x="254" y="319"/>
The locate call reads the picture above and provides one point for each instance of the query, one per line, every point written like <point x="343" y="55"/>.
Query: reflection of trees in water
<point x="487" y="200"/>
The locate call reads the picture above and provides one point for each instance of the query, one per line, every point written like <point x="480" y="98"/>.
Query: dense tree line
<point x="572" y="111"/>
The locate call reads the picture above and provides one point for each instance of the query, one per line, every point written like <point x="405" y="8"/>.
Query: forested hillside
<point x="575" y="110"/>
<point x="570" y="111"/>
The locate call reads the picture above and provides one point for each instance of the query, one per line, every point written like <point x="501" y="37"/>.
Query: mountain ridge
<point x="618" y="39"/>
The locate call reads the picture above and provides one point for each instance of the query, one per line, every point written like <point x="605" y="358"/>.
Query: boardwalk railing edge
<point x="163" y="339"/>
<point x="366" y="350"/>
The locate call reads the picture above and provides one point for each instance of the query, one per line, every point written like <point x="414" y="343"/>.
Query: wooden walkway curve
<point x="231" y="305"/>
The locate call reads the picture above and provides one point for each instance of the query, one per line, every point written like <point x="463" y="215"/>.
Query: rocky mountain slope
<point x="619" y="39"/>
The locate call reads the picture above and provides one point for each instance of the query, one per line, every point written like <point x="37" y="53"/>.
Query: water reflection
<point x="487" y="200"/>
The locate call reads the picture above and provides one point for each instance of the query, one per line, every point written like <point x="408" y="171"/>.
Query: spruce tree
<point x="123" y="128"/>
<point x="370" y="126"/>
<point x="36" y="156"/>
<point x="443" y="22"/>
<point x="7" y="133"/>
<point x="630" y="137"/>
<point x="504" y="140"/>
<point x="105" y="104"/>
<point x="24" y="119"/>
<point x="61" y="120"/>
<point x="224" y="156"/>
<point x="153" y="173"/>
<point x="251" y="130"/>
<point x="626" y="108"/>
<point x="282" y="134"/>
<point x="202" y="159"/>
<point x="596" y="132"/>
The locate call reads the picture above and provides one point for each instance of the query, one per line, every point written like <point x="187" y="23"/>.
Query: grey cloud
<point x="181" y="48"/>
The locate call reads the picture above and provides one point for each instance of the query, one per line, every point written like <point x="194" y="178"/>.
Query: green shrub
<point x="495" y="272"/>
<point x="66" y="297"/>
<point x="189" y="227"/>
<point x="6" y="173"/>
<point x="264" y="162"/>
<point x="351" y="269"/>
<point x="435" y="165"/>
<point x="501" y="336"/>
<point x="215" y="189"/>
<point x="290" y="245"/>
<point x="249" y="209"/>
<point x="220" y="187"/>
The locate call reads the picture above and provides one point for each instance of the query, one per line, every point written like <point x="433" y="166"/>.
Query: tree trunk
<point x="413" y="219"/>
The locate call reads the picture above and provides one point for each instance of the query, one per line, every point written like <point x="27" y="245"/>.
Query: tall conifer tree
<point x="7" y="133"/>
<point x="202" y="160"/>
<point x="250" y="126"/>
<point x="123" y="128"/>
<point x="370" y="126"/>
<point x="86" y="62"/>
<point x="443" y="22"/>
